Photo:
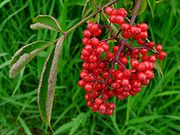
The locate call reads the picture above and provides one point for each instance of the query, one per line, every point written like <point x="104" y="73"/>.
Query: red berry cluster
<point x="124" y="70"/>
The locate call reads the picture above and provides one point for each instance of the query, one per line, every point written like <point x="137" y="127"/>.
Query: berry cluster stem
<point x="121" y="44"/>
<point x="131" y="23"/>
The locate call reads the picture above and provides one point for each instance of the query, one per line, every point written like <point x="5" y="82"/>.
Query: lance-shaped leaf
<point x="47" y="22"/>
<point x="151" y="4"/>
<point x="47" y="83"/>
<point x="25" y="55"/>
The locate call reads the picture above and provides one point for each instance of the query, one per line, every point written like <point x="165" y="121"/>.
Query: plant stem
<point x="87" y="18"/>
<point x="121" y="45"/>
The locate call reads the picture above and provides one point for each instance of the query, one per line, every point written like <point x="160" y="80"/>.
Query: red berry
<point x="141" y="77"/>
<point x="159" y="47"/>
<point x="152" y="58"/>
<point x="122" y="12"/>
<point x="112" y="106"/>
<point x="95" y="41"/>
<point x="149" y="74"/>
<point x="89" y="103"/>
<point x="151" y="44"/>
<point x="102" y="108"/>
<point x="144" y="34"/>
<point x="143" y="26"/>
<point x="87" y="33"/>
<point x="162" y="55"/>
<point x="134" y="63"/>
<point x="105" y="46"/>
<point x="98" y="101"/>
<point x="141" y="67"/>
<point x="124" y="82"/>
<point x="81" y="83"/>
<point x="109" y="111"/>
<point x="99" y="50"/>
<point x="109" y="10"/>
<point x="95" y="108"/>
<point x="94" y="28"/>
<point x="119" y="19"/>
<point x="89" y="25"/>
<point x="125" y="26"/>
<point x="113" y="19"/>
<point x="88" y="87"/>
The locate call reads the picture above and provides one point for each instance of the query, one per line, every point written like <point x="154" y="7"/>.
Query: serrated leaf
<point x="75" y="2"/>
<point x="25" y="55"/>
<point x="47" y="83"/>
<point x="46" y="21"/>
<point x="151" y="4"/>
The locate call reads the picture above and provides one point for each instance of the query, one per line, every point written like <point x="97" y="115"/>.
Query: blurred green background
<point x="154" y="111"/>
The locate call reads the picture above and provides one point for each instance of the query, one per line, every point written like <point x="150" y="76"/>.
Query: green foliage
<point x="47" y="22"/>
<point x="153" y="111"/>
<point x="25" y="55"/>
<point x="47" y="83"/>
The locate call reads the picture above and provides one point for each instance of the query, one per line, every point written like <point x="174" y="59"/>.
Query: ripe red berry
<point x="109" y="111"/>
<point x="144" y="34"/>
<point x="89" y="25"/>
<point x="125" y="26"/>
<point x="89" y="103"/>
<point x="102" y="108"/>
<point x="134" y="63"/>
<point x="141" y="67"/>
<point x="94" y="28"/>
<point x="162" y="55"/>
<point x="98" y="101"/>
<point x="143" y="27"/>
<point x="81" y="83"/>
<point x="122" y="12"/>
<point x="87" y="33"/>
<point x="109" y="10"/>
<point x="113" y="19"/>
<point x="152" y="58"/>
<point x="149" y="74"/>
<point x="124" y="82"/>
<point x="141" y="77"/>
<point x="95" y="107"/>
<point x="159" y="47"/>
<point x="151" y="44"/>
<point x="99" y="50"/>
<point x="119" y="19"/>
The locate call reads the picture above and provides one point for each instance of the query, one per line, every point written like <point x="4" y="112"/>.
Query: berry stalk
<point x="131" y="23"/>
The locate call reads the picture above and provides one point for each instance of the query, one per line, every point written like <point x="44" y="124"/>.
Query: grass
<point x="155" y="110"/>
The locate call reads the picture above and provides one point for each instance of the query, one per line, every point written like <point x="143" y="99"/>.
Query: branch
<point x="90" y="16"/>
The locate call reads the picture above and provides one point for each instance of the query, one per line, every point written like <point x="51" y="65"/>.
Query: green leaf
<point x="75" y="2"/>
<point x="4" y="3"/>
<point x="25" y="55"/>
<point x="151" y="4"/>
<point x="47" y="22"/>
<point x="47" y="83"/>
<point x="158" y="67"/>
<point x="144" y="119"/>
<point x="127" y="2"/>
<point x="142" y="7"/>
<point x="24" y="125"/>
